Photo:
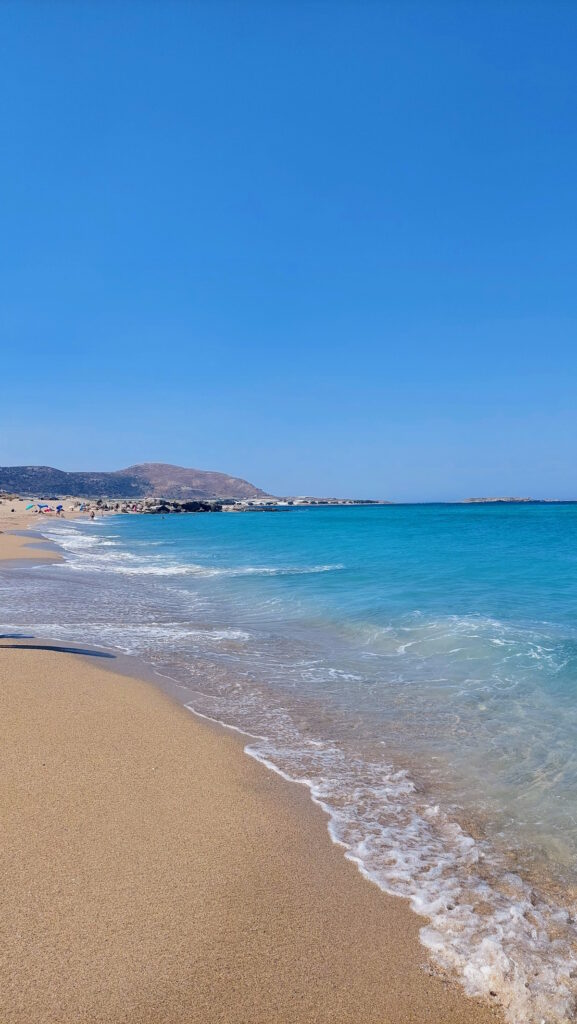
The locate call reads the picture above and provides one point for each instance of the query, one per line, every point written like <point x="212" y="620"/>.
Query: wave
<point x="118" y="565"/>
<point x="504" y="939"/>
<point x="77" y="542"/>
<point x="485" y="923"/>
<point x="210" y="571"/>
<point x="132" y="638"/>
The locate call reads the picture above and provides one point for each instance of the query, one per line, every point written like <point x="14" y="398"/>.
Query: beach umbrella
<point x="29" y="506"/>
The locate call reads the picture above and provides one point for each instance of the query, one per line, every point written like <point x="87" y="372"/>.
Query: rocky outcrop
<point x="167" y="508"/>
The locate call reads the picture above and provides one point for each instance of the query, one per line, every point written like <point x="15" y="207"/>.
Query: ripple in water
<point x="410" y="666"/>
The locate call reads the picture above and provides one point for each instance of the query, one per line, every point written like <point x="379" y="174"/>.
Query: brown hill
<point x="181" y="484"/>
<point x="151" y="479"/>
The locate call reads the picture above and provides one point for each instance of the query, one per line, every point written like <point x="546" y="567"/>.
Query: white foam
<point x="132" y="638"/>
<point x="117" y="564"/>
<point x="78" y="543"/>
<point x="484" y="922"/>
<point x="500" y="938"/>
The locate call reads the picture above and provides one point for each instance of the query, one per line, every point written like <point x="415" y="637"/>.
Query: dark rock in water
<point x="175" y="507"/>
<point x="200" y="506"/>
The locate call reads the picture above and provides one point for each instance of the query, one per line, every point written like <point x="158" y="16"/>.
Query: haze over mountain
<point x="149" y="479"/>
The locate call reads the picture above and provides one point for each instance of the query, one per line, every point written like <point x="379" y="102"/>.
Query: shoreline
<point x="16" y="548"/>
<point x="164" y="861"/>
<point x="342" y="950"/>
<point x="19" y="545"/>
<point x="18" y="540"/>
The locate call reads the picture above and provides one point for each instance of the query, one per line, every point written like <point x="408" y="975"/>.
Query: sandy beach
<point x="13" y="545"/>
<point x="16" y="519"/>
<point x="155" y="873"/>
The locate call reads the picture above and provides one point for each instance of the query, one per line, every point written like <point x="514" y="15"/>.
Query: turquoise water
<point x="415" y="666"/>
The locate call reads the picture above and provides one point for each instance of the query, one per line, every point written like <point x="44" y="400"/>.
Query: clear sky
<point x="330" y="247"/>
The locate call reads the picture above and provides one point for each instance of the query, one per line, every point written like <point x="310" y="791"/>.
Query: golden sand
<point x="154" y="874"/>
<point x="13" y="516"/>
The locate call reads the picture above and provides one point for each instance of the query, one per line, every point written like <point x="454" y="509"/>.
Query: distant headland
<point x="513" y="501"/>
<point x="159" y="486"/>
<point x="146" y="480"/>
<point x="149" y="486"/>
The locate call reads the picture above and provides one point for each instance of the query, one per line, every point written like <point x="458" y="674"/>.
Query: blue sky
<point x="330" y="247"/>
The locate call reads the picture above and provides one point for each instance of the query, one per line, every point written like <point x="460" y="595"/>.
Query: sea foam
<point x="436" y="734"/>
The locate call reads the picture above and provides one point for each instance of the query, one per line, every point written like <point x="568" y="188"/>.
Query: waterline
<point x="434" y="726"/>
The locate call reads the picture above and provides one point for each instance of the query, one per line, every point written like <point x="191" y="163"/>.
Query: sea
<point x="415" y="666"/>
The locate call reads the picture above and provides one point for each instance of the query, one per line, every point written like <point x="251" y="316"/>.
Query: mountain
<point x="151" y="479"/>
<point x="180" y="484"/>
<point x="44" y="482"/>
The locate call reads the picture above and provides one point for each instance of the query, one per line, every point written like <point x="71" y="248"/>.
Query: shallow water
<point x="416" y="666"/>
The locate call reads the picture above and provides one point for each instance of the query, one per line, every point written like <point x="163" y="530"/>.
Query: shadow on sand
<point x="56" y="648"/>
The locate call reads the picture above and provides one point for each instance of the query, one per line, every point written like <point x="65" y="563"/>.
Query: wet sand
<point x="154" y="874"/>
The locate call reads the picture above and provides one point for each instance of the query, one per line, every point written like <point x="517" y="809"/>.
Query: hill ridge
<point x="142" y="480"/>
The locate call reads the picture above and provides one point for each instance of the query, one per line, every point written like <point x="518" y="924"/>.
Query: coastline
<point x="156" y="873"/>
<point x="18" y="545"/>
<point x="14" y="547"/>
<point x="174" y="878"/>
<point x="17" y="539"/>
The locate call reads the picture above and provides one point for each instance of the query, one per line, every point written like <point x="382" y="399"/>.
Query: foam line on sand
<point x="154" y="873"/>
